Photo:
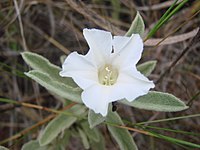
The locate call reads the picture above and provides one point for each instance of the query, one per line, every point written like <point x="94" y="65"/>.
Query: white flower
<point x="107" y="73"/>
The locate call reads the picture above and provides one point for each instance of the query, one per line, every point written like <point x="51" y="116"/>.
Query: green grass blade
<point x="173" y="12"/>
<point x="12" y="70"/>
<point x="155" y="28"/>
<point x="5" y="100"/>
<point x="171" y="130"/>
<point x="174" y="140"/>
<point x="168" y="14"/>
<point x="168" y="119"/>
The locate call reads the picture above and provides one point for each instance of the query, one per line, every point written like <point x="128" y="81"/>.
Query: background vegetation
<point x="53" y="28"/>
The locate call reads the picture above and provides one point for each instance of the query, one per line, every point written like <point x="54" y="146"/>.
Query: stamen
<point x="108" y="75"/>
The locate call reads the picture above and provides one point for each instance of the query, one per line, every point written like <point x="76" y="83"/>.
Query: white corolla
<point x="108" y="72"/>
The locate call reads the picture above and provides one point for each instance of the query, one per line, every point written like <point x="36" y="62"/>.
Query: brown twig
<point x="20" y="25"/>
<point x="93" y="16"/>
<point x="27" y="130"/>
<point x="172" y="39"/>
<point x="45" y="108"/>
<point x="134" y="129"/>
<point x="157" y="6"/>
<point x="7" y="107"/>
<point x="24" y="132"/>
<point x="50" y="39"/>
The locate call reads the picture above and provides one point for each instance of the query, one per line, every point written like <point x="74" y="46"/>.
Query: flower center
<point x="108" y="75"/>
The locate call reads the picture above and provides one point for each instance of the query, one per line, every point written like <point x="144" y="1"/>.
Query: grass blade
<point x="168" y="14"/>
<point x="168" y="119"/>
<point x="174" y="140"/>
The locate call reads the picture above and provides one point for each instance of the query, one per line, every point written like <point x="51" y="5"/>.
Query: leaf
<point x="34" y="145"/>
<point x="3" y="148"/>
<point x="62" y="140"/>
<point x="158" y="101"/>
<point x="137" y="26"/>
<point x="58" y="88"/>
<point x="60" y="123"/>
<point x="91" y="133"/>
<point x="58" y="144"/>
<point x="55" y="127"/>
<point x="147" y="67"/>
<point x="84" y="139"/>
<point x="100" y="145"/>
<point x="37" y="62"/>
<point x="94" y="119"/>
<point x="122" y="136"/>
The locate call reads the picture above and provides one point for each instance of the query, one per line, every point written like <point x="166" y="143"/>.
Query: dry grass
<point x="53" y="28"/>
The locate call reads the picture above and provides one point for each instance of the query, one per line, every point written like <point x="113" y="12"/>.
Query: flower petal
<point x="128" y="51"/>
<point x="100" y="43"/>
<point x="119" y="42"/>
<point x="96" y="98"/>
<point x="130" y="87"/>
<point x="80" y="69"/>
<point x="132" y="71"/>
